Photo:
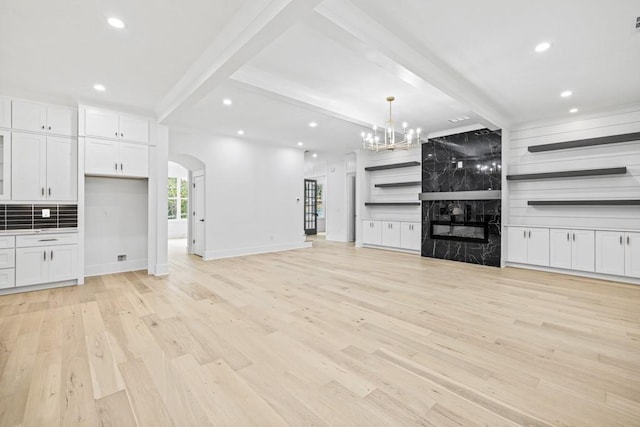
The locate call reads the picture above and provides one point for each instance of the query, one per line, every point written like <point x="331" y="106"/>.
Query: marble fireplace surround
<point x="461" y="197"/>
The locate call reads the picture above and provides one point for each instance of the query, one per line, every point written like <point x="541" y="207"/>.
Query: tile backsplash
<point x="30" y="216"/>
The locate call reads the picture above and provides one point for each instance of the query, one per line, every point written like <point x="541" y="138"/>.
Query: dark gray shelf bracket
<point x="392" y="166"/>
<point x="613" y="139"/>
<point x="569" y="174"/>
<point x="392" y="204"/>
<point x="628" y="202"/>
<point x="399" y="184"/>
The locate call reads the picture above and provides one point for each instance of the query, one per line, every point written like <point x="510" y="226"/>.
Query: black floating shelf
<point x="613" y="139"/>
<point x="392" y="204"/>
<point x="392" y="166"/>
<point x="626" y="202"/>
<point x="399" y="184"/>
<point x="568" y="174"/>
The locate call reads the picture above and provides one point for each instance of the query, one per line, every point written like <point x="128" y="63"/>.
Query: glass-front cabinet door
<point x="5" y="165"/>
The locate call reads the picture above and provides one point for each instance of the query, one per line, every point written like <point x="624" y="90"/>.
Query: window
<point x="178" y="198"/>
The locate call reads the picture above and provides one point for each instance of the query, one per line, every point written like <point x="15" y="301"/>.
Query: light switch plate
<point x="46" y="213"/>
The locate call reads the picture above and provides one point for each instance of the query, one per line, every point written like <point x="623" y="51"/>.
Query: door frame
<point x="191" y="249"/>
<point x="314" y="215"/>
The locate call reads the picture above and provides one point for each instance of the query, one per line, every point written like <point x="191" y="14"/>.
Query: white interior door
<point x="197" y="215"/>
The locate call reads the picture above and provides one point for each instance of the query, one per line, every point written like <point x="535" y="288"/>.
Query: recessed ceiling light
<point x="240" y="132"/>
<point x="313" y="124"/>
<point x="314" y="155"/>
<point x="116" y="23"/>
<point x="573" y="110"/>
<point x="99" y="87"/>
<point x="227" y="101"/>
<point x="300" y="144"/>
<point x="566" y="94"/>
<point x="542" y="47"/>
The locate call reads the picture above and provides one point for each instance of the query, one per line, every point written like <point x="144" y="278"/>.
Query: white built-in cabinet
<point x="46" y="258"/>
<point x="110" y="124"/>
<point x="43" y="167"/>
<point x="392" y="234"/>
<point x="51" y="119"/>
<point x="116" y="158"/>
<point x="528" y="245"/>
<point x="7" y="262"/>
<point x="410" y="235"/>
<point x="618" y="253"/>
<point x="5" y="164"/>
<point x="572" y="249"/>
<point x="5" y="112"/>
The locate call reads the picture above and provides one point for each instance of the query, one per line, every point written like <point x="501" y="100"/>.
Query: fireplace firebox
<point x="459" y="231"/>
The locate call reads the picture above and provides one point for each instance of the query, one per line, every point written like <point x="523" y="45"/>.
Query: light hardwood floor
<point x="332" y="335"/>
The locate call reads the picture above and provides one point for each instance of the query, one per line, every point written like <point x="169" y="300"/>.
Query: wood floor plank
<point x="114" y="411"/>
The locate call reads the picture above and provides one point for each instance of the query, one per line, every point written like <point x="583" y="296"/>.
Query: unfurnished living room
<point x="319" y="213"/>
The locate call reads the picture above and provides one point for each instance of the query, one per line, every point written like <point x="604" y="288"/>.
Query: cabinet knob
<point x="49" y="190"/>
<point x="42" y="191"/>
<point x="42" y="126"/>
<point x="116" y="133"/>
<point x="49" y="127"/>
<point x="116" y="166"/>
<point x="51" y="258"/>
<point x="621" y="239"/>
<point x="574" y="237"/>
<point x="44" y="255"/>
<point x="122" y="135"/>
<point x="628" y="240"/>
<point x="567" y="237"/>
<point x="524" y="234"/>
<point x="120" y="166"/>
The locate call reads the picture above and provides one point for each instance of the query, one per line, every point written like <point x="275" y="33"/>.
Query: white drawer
<point x="7" y="241"/>
<point x="7" y="258"/>
<point x="46" y="240"/>
<point x="7" y="278"/>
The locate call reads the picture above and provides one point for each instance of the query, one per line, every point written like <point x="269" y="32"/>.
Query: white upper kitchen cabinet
<point x="116" y="158"/>
<point x="51" y="119"/>
<point x="110" y="124"/>
<point x="5" y="164"/>
<point x="5" y="112"/>
<point x="43" y="167"/>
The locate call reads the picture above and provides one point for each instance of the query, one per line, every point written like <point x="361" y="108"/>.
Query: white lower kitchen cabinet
<point x="43" y="264"/>
<point x="528" y="245"/>
<point x="632" y="255"/>
<point x="410" y="236"/>
<point x="371" y="232"/>
<point x="572" y="249"/>
<point x="610" y="252"/>
<point x="391" y="234"/>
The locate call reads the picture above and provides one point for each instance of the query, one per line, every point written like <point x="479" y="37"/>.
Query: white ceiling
<point x="287" y="62"/>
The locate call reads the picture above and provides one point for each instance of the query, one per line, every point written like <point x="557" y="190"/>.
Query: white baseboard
<point x="115" y="267"/>
<point x="39" y="287"/>
<point x="389" y="248"/>
<point x="230" y="253"/>
<point x="161" y="270"/>
<point x="610" y="277"/>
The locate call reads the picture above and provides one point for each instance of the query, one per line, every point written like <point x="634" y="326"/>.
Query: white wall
<point x="116" y="223"/>
<point x="254" y="194"/>
<point x="367" y="192"/>
<point x="177" y="228"/>
<point x="520" y="161"/>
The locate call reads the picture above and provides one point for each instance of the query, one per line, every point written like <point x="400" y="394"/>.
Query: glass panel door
<point x="310" y="206"/>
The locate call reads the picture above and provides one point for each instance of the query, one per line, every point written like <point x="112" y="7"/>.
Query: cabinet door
<point x="101" y="157"/>
<point x="560" y="248"/>
<point x="371" y="232"/>
<point x="134" y="128"/>
<point x="62" y="168"/>
<point x="7" y="278"/>
<point x="610" y="252"/>
<point x="517" y="244"/>
<point x="583" y="250"/>
<point x="28" y="166"/>
<point x="31" y="266"/>
<point x="5" y="113"/>
<point x="62" y="121"/>
<point x="102" y="123"/>
<point x="410" y="236"/>
<point x="632" y="255"/>
<point x="133" y="159"/>
<point x="5" y="164"/>
<point x="30" y="116"/>
<point x="538" y="246"/>
<point x="63" y="262"/>
<point x="391" y="234"/>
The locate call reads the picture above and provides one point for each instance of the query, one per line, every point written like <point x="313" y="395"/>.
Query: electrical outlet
<point x="122" y="258"/>
<point x="46" y="213"/>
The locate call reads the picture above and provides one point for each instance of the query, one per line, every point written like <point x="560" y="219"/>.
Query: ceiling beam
<point x="256" y="25"/>
<point x="411" y="54"/>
